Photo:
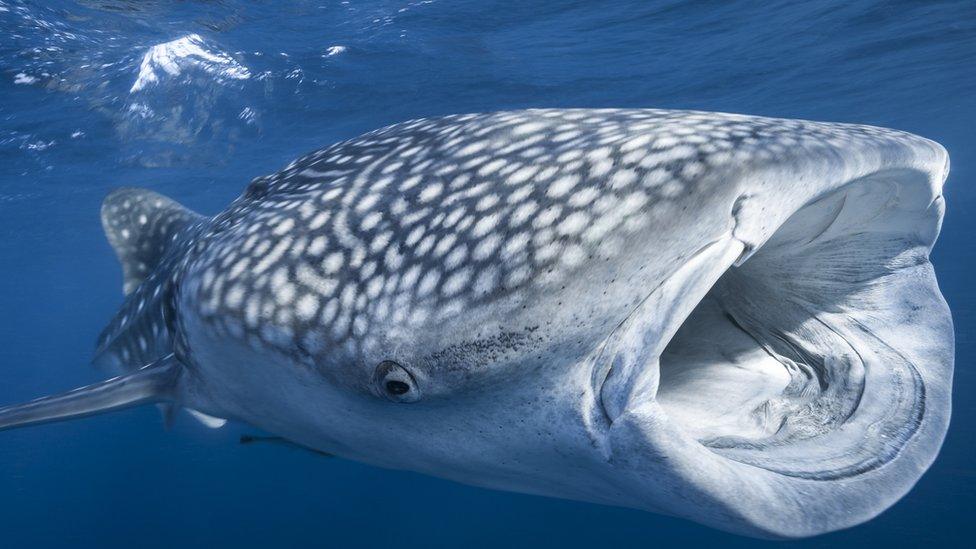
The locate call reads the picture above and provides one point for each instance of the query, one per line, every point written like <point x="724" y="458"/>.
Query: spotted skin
<point x="429" y="218"/>
<point x="150" y="234"/>
<point x="142" y="228"/>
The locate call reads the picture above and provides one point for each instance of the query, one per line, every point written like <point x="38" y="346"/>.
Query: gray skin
<point x="726" y="318"/>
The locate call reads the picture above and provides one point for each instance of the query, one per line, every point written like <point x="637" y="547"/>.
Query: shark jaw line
<point x="742" y="358"/>
<point x="626" y="369"/>
<point x="627" y="366"/>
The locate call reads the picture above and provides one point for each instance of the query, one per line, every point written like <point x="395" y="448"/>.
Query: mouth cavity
<point x="787" y="361"/>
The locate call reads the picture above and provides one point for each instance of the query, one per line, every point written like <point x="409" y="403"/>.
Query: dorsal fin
<point x="145" y="228"/>
<point x="140" y="225"/>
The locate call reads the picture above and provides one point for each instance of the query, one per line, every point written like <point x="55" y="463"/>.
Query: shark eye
<point x="395" y="383"/>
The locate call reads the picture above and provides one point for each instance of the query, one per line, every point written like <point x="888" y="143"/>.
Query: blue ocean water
<point x="194" y="99"/>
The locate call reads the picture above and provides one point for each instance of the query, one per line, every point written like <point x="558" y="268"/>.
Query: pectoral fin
<point x="207" y="420"/>
<point x="152" y="383"/>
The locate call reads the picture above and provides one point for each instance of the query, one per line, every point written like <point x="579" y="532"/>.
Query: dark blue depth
<point x="71" y="128"/>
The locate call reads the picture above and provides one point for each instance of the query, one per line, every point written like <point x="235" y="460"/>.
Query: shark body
<point x="726" y="318"/>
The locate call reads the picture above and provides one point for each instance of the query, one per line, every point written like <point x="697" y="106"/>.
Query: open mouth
<point x="804" y="359"/>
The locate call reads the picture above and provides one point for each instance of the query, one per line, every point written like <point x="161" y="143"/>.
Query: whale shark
<point x="726" y="318"/>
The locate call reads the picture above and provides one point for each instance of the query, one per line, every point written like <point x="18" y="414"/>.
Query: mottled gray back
<point x="427" y="219"/>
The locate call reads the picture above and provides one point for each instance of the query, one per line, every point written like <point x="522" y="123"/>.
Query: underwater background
<point x="194" y="99"/>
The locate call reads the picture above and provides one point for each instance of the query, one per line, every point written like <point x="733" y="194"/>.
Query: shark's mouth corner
<point x="809" y="359"/>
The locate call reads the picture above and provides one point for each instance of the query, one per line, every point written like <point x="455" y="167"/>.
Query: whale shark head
<point x="727" y="318"/>
<point x="469" y="262"/>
